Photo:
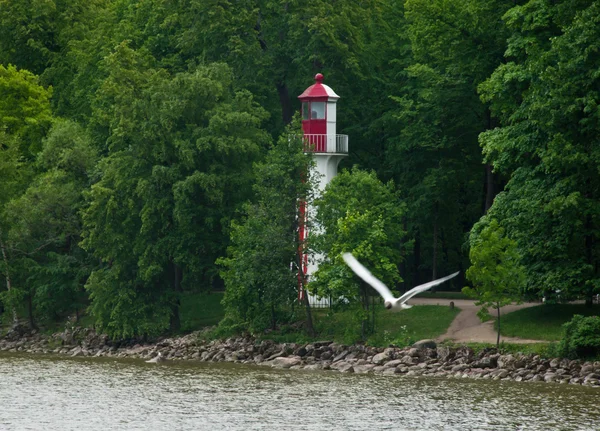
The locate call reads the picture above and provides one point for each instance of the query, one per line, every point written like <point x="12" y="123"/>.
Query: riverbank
<point x="424" y="358"/>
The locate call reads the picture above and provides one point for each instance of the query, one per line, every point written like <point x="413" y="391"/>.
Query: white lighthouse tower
<point x="328" y="148"/>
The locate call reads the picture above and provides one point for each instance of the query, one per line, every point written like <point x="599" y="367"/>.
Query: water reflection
<point x="43" y="393"/>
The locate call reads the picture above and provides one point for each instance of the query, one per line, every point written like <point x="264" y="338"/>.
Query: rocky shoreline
<point x="424" y="358"/>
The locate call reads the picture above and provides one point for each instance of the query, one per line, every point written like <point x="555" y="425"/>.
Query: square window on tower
<point x="317" y="111"/>
<point x="305" y="111"/>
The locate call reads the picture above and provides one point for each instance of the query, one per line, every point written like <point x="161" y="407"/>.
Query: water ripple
<point x="46" y="393"/>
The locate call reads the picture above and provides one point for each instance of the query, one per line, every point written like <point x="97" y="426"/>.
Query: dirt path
<point x="467" y="328"/>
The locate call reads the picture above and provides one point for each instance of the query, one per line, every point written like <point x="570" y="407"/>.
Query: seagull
<point x="390" y="301"/>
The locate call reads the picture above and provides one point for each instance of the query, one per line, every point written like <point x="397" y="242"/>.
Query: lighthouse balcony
<point x="314" y="143"/>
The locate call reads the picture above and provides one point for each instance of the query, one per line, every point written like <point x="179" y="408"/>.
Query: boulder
<point x="393" y="364"/>
<point x="285" y="362"/>
<point x="345" y="367"/>
<point x="340" y="356"/>
<point x="485" y="362"/>
<point x="425" y="344"/>
<point x="363" y="369"/>
<point x="445" y="353"/>
<point x="380" y="358"/>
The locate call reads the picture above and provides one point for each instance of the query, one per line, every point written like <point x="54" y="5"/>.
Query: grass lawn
<point x="401" y="328"/>
<point x="199" y="310"/>
<point x="542" y="322"/>
<point x="398" y="328"/>
<point x="442" y="295"/>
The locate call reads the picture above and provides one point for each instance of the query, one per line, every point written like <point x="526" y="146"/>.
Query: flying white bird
<point x="390" y="301"/>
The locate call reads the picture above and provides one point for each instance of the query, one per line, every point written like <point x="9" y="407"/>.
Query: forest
<point x="148" y="151"/>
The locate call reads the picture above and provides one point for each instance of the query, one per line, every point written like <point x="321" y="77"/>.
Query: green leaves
<point x="24" y="108"/>
<point x="496" y="271"/>
<point x="179" y="152"/>
<point x="260" y="270"/>
<point x="357" y="214"/>
<point x="546" y="99"/>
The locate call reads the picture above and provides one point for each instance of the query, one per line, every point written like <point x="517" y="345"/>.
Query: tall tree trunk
<point x="589" y="245"/>
<point x="435" y="245"/>
<point x="372" y="314"/>
<point x="8" y="283"/>
<point x="490" y="191"/>
<point x="364" y="326"/>
<point x="489" y="187"/>
<point x="175" y="321"/>
<point x="285" y="102"/>
<point x="32" y="324"/>
<point x="498" y="336"/>
<point x="402" y="265"/>
<point x="417" y="258"/>
<point x="273" y="318"/>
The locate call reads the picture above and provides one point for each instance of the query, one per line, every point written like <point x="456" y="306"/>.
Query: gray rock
<point x="444" y="353"/>
<point x="276" y="355"/>
<point x="550" y="377"/>
<point x="425" y="344"/>
<point x="301" y="352"/>
<point x="485" y="362"/>
<point x="409" y="360"/>
<point x="393" y="364"/>
<point x="499" y="374"/>
<point x="313" y="367"/>
<point x="77" y="351"/>
<point x="414" y="352"/>
<point x="363" y="369"/>
<point x="380" y="358"/>
<point x="345" y="367"/>
<point x="592" y="376"/>
<point x="326" y="355"/>
<point x="340" y="356"/>
<point x="285" y="362"/>
<point x="464" y="352"/>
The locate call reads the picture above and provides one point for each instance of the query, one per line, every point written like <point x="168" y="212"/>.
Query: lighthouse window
<point x="317" y="110"/>
<point x="305" y="111"/>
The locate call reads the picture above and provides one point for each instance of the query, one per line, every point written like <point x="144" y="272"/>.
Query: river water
<point x="48" y="393"/>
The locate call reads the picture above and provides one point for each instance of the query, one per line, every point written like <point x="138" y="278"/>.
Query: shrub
<point x="581" y="337"/>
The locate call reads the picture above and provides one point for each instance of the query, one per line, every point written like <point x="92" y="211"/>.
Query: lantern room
<point x="319" y="119"/>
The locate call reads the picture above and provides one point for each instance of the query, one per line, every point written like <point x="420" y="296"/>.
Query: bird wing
<point x="423" y="287"/>
<point x="366" y="275"/>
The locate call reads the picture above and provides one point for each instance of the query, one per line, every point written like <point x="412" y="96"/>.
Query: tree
<point x="358" y="214"/>
<point x="495" y="271"/>
<point x="49" y="267"/>
<point x="546" y="96"/>
<point x="25" y="117"/>
<point x="434" y="157"/>
<point x="179" y="155"/>
<point x="24" y="109"/>
<point x="260" y="279"/>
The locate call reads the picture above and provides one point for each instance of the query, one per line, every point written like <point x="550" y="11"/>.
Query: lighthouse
<point x="319" y="115"/>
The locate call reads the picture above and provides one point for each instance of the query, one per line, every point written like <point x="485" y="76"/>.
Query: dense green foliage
<point x="581" y="337"/>
<point x="136" y="150"/>
<point x="358" y="214"/>
<point x="495" y="271"/>
<point x="542" y="322"/>
<point x="398" y="329"/>
<point x="261" y="282"/>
